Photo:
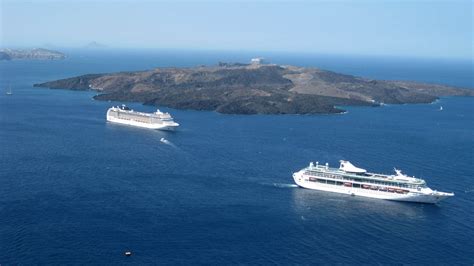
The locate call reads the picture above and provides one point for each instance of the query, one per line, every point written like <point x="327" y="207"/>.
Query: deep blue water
<point x="75" y="189"/>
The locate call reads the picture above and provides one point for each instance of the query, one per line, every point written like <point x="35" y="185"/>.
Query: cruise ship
<point x="157" y="120"/>
<point x="351" y="180"/>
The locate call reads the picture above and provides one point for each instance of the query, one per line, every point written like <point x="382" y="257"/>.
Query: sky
<point x="436" y="29"/>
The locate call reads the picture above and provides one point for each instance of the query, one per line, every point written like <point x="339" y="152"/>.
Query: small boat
<point x="347" y="184"/>
<point x="165" y="141"/>
<point x="441" y="108"/>
<point x="9" y="91"/>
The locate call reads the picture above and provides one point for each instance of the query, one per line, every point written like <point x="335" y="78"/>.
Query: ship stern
<point x="298" y="178"/>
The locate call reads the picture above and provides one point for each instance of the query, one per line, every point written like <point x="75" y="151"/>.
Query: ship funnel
<point x="347" y="166"/>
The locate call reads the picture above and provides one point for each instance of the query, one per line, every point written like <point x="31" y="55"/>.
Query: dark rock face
<point x="252" y="89"/>
<point x="37" y="53"/>
<point x="76" y="83"/>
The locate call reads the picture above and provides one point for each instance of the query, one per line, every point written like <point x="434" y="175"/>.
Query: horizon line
<point x="236" y="50"/>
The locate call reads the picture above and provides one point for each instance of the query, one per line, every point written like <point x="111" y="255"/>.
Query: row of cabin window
<point x="332" y="182"/>
<point x="366" y="180"/>
<point x="136" y="118"/>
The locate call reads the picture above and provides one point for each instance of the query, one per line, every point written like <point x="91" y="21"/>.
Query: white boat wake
<point x="281" y="185"/>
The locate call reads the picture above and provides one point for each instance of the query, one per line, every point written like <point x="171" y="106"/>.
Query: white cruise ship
<point x="157" y="120"/>
<point x="348" y="179"/>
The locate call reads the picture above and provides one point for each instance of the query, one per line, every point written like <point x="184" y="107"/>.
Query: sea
<point x="75" y="189"/>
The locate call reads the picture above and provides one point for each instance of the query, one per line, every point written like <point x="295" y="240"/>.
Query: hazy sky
<point x="401" y="28"/>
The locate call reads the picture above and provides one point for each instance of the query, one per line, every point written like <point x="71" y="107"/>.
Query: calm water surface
<point x="75" y="189"/>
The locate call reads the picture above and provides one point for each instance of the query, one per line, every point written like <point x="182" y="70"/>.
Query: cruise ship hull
<point x="164" y="126"/>
<point x="432" y="198"/>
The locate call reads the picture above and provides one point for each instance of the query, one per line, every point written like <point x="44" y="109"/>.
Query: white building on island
<point x="258" y="61"/>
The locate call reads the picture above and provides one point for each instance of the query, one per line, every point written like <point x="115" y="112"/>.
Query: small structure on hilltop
<point x="258" y="61"/>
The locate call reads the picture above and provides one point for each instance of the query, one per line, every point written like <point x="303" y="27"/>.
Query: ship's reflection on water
<point x="333" y="224"/>
<point x="313" y="203"/>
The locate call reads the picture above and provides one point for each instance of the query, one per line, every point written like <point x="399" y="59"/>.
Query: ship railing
<point x="367" y="181"/>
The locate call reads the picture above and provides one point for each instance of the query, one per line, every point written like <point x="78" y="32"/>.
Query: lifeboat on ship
<point x="401" y="191"/>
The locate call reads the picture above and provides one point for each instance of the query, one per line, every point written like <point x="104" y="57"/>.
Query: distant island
<point x="256" y="88"/>
<point x="95" y="45"/>
<point x="36" y="53"/>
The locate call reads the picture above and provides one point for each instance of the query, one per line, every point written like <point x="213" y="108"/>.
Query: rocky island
<point x="253" y="89"/>
<point x="36" y="53"/>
